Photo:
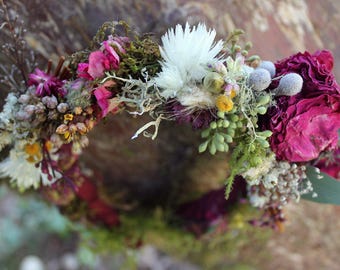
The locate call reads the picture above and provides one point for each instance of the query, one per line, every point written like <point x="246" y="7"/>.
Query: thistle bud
<point x="62" y="107"/>
<point x="50" y="102"/>
<point x="29" y="109"/>
<point x="268" y="65"/>
<point x="259" y="79"/>
<point x="289" y="85"/>
<point x="24" y="99"/>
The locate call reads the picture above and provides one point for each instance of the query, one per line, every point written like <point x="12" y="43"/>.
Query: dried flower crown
<point x="275" y="120"/>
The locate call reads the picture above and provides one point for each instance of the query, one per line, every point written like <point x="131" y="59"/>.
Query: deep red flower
<point x="306" y="124"/>
<point x="315" y="69"/>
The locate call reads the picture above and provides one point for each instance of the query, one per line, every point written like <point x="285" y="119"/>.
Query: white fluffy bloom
<point x="25" y="174"/>
<point x="7" y="114"/>
<point x="186" y="55"/>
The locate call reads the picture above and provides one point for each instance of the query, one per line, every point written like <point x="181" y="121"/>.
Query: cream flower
<point x="186" y="55"/>
<point x="24" y="173"/>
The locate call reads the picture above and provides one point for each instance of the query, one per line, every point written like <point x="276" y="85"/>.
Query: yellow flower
<point x="48" y="145"/>
<point x="68" y="117"/>
<point x="232" y="93"/>
<point x="32" y="149"/>
<point x="224" y="103"/>
<point x="34" y="152"/>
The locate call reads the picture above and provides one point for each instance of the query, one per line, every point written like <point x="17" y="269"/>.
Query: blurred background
<point x="34" y="233"/>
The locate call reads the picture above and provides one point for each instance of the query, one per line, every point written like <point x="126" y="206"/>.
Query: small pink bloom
<point x="102" y="95"/>
<point x="83" y="71"/>
<point x="98" y="63"/>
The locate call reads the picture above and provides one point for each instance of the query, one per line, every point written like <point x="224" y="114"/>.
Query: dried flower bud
<point x="61" y="129"/>
<point x="22" y="115"/>
<point x="29" y="109"/>
<point x="72" y="128"/>
<point x="50" y="102"/>
<point x="62" y="107"/>
<point x="24" y="99"/>
<point x="89" y="110"/>
<point x="81" y="128"/>
<point x="40" y="108"/>
<point x="77" y="110"/>
<point x="89" y="124"/>
<point x="53" y="115"/>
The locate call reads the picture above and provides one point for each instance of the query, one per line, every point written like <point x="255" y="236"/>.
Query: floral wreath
<point x="278" y="122"/>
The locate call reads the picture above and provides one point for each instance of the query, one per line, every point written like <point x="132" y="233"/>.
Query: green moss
<point x="212" y="250"/>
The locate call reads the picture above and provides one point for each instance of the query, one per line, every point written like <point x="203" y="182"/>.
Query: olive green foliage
<point x="141" y="55"/>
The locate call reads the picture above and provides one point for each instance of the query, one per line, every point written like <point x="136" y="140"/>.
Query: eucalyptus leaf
<point x="327" y="188"/>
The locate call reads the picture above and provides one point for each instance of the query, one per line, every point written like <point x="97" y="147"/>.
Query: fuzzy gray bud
<point x="50" y="102"/>
<point x="289" y="85"/>
<point x="29" y="110"/>
<point x="259" y="79"/>
<point x="62" y="107"/>
<point x="268" y="65"/>
<point x="24" y="99"/>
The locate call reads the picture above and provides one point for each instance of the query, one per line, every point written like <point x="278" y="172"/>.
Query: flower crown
<point x="277" y="121"/>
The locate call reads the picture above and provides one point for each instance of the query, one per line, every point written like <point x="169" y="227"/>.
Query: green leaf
<point x="327" y="188"/>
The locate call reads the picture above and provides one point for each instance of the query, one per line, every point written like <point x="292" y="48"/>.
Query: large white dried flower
<point x="186" y="55"/>
<point x="25" y="174"/>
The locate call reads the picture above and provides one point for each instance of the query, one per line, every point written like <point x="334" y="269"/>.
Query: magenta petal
<point x="102" y="95"/>
<point x="96" y="64"/>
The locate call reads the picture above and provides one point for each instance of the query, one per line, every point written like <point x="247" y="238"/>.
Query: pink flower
<point x="104" y="59"/>
<point x="83" y="71"/>
<point x="98" y="64"/>
<point x="303" y="128"/>
<point x="306" y="124"/>
<point x="104" y="98"/>
<point x="46" y="84"/>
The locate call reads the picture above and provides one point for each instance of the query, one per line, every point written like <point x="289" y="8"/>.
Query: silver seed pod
<point x="259" y="79"/>
<point x="268" y="65"/>
<point x="289" y="85"/>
